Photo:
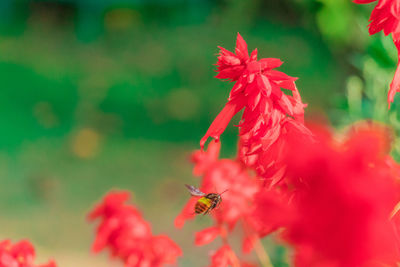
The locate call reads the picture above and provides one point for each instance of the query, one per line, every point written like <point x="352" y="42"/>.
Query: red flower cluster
<point x="217" y="176"/>
<point x="123" y="230"/>
<point x="21" y="254"/>
<point x="385" y="17"/>
<point x="269" y="114"/>
<point x="336" y="206"/>
<point x="237" y="202"/>
<point x="338" y="212"/>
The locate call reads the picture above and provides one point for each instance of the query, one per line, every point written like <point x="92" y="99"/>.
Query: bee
<point x="207" y="202"/>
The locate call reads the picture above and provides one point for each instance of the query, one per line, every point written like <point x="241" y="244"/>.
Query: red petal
<point x="395" y="9"/>
<point x="23" y="249"/>
<point x="278" y="75"/>
<point x="225" y="52"/>
<point x="285" y="104"/>
<point x="264" y="83"/>
<point x="112" y="199"/>
<point x="287" y="85"/>
<point x="241" y="48"/>
<point x="253" y="56"/>
<point x="394" y="86"/>
<point x="186" y="214"/>
<point x="229" y="60"/>
<point x="248" y="244"/>
<point x="232" y="73"/>
<point x="270" y="63"/>
<point x="238" y="87"/>
<point x="206" y="236"/>
<point x="103" y="234"/>
<point x="165" y="249"/>
<point x="363" y="1"/>
<point x="219" y="124"/>
<point x="253" y="100"/>
<point x="222" y="257"/>
<point x="204" y="159"/>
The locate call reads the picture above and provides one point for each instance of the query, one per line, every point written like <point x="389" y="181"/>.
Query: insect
<point x="207" y="202"/>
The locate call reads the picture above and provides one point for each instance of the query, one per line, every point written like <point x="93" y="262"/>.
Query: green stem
<point x="261" y="253"/>
<point x="234" y="259"/>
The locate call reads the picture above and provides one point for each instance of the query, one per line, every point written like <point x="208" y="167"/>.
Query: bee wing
<point x="194" y="191"/>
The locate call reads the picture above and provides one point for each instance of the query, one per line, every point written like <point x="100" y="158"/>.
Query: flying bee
<point x="207" y="202"/>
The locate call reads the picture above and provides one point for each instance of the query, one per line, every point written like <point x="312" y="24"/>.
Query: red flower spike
<point x="343" y="192"/>
<point x="268" y="111"/>
<point x="128" y="236"/>
<point x="239" y="190"/>
<point x="385" y="17"/>
<point x="21" y="254"/>
<point x="223" y="175"/>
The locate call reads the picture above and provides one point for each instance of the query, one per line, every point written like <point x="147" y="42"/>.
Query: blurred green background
<point x="101" y="94"/>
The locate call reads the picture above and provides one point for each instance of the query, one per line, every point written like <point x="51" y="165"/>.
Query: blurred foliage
<point x="116" y="93"/>
<point x="373" y="57"/>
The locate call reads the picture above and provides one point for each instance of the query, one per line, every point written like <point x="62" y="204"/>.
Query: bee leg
<point x="208" y="210"/>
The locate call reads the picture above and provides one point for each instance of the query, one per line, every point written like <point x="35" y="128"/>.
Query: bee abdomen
<point x="200" y="208"/>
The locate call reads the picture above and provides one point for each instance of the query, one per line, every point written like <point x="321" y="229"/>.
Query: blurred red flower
<point x="268" y="112"/>
<point x="123" y="230"/>
<point x="339" y="208"/>
<point x="237" y="202"/>
<point x="21" y="254"/>
<point x="223" y="257"/>
<point x="385" y="17"/>
<point x="219" y="175"/>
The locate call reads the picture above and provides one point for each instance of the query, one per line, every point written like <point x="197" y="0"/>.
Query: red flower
<point x="237" y="202"/>
<point x="123" y="230"/>
<point x="221" y="175"/>
<point x="267" y="156"/>
<point x="268" y="112"/>
<point x="338" y="213"/>
<point x="272" y="211"/>
<point x="21" y="254"/>
<point x="385" y="17"/>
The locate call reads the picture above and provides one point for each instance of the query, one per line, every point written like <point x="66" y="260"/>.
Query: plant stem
<point x="261" y="253"/>
<point x="395" y="210"/>
<point x="234" y="259"/>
